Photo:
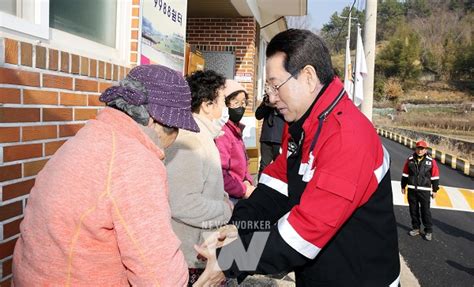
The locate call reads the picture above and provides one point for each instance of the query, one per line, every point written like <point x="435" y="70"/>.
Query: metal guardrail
<point x="450" y="160"/>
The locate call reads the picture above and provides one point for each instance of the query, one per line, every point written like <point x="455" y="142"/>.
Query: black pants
<point x="419" y="200"/>
<point x="268" y="152"/>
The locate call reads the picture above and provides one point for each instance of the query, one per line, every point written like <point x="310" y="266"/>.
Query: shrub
<point x="393" y="89"/>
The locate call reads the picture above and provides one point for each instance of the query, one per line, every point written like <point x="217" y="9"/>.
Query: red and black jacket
<point x="329" y="202"/>
<point x="420" y="174"/>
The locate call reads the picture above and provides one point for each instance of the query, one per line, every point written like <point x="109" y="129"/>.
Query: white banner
<point x="360" y="71"/>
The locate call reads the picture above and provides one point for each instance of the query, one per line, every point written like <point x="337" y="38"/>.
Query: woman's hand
<point x="250" y="189"/>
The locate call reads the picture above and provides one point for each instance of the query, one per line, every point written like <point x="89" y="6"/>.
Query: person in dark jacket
<point x="421" y="176"/>
<point x="272" y="131"/>
<point x="323" y="208"/>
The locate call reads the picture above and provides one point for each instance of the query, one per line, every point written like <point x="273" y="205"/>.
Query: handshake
<point x="213" y="275"/>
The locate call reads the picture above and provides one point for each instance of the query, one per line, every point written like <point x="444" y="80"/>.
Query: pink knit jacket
<point x="98" y="214"/>
<point x="234" y="160"/>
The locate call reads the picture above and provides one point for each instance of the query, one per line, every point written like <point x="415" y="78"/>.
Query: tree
<point x="417" y="8"/>
<point x="390" y="14"/>
<point x="465" y="6"/>
<point x="393" y="89"/>
<point x="463" y="66"/>
<point x="441" y="34"/>
<point x="379" y="87"/>
<point x="335" y="31"/>
<point x="402" y="56"/>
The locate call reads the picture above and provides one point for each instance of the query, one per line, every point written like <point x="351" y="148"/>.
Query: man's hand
<point x="212" y="275"/>
<point x="227" y="234"/>
<point x="221" y="237"/>
<point x="403" y="190"/>
<point x="433" y="195"/>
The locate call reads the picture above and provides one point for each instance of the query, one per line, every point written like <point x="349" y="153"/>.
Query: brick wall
<point x="134" y="60"/>
<point x="237" y="35"/>
<point x="46" y="96"/>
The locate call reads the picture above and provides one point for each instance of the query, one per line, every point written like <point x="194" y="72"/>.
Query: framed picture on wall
<point x="163" y="33"/>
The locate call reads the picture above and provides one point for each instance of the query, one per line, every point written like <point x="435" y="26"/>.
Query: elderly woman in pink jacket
<point x="98" y="214"/>
<point x="238" y="182"/>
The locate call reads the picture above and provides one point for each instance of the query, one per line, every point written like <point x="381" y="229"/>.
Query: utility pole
<point x="349" y="24"/>
<point x="347" y="66"/>
<point x="348" y="46"/>
<point x="369" y="40"/>
<point x="349" y="28"/>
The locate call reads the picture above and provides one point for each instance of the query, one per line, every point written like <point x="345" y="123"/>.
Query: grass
<point x="457" y="125"/>
<point x="427" y="96"/>
<point x="444" y="145"/>
<point x="436" y="108"/>
<point x="440" y="121"/>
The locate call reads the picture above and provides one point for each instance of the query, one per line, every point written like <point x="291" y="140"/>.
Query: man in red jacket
<point x="327" y="197"/>
<point x="421" y="175"/>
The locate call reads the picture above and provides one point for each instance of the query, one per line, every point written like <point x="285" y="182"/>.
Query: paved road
<point x="448" y="176"/>
<point x="448" y="260"/>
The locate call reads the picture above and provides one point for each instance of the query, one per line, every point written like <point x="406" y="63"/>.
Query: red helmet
<point x="421" y="144"/>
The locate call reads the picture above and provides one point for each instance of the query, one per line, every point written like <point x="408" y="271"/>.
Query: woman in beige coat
<point x="197" y="197"/>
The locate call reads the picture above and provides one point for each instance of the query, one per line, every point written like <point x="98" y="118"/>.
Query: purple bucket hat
<point x="165" y="95"/>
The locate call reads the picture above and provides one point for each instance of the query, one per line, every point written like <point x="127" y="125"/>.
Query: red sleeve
<point x="405" y="169"/>
<point x="343" y="180"/>
<point x="434" y="176"/>
<point x="434" y="171"/>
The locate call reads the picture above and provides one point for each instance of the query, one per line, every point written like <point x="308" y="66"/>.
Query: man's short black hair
<point x="204" y="87"/>
<point x="301" y="48"/>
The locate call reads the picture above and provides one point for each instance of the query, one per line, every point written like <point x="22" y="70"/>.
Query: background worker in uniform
<point x="421" y="175"/>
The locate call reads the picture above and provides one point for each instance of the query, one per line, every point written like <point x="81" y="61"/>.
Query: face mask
<point x="236" y="114"/>
<point x="224" y="117"/>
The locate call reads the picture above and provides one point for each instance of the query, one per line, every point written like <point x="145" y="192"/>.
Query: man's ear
<point x="311" y="77"/>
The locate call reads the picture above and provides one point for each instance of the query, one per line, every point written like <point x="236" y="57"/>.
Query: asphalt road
<point x="448" y="176"/>
<point x="448" y="260"/>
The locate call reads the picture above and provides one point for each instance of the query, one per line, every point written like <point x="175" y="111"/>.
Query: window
<point x="8" y="6"/>
<point x="26" y="16"/>
<point x="97" y="29"/>
<point x="90" y="19"/>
